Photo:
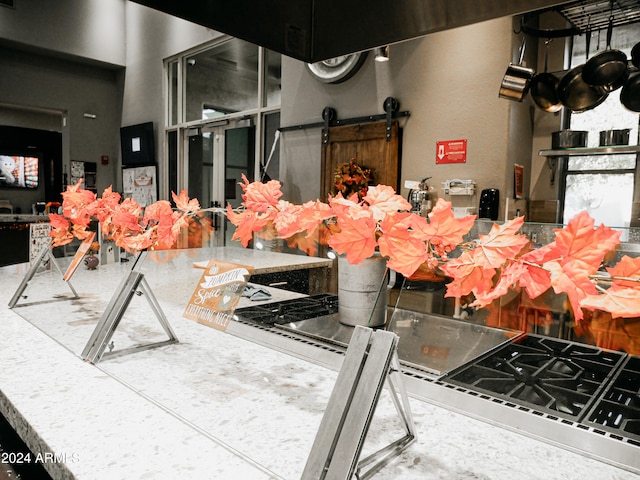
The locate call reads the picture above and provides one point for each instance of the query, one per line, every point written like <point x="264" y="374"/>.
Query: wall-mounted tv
<point x="137" y="145"/>
<point x="19" y="171"/>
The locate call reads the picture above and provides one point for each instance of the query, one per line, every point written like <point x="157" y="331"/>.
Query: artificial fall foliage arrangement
<point x="487" y="268"/>
<point x="381" y="222"/>
<point x="130" y="226"/>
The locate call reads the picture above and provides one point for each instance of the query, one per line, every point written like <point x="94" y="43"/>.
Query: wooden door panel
<point x="367" y="144"/>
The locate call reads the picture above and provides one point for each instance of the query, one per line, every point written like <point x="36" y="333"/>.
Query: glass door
<point x="217" y="157"/>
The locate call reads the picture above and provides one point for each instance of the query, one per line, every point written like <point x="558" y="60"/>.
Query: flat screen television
<point x="19" y="171"/>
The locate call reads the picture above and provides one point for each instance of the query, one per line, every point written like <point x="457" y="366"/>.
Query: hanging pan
<point x="607" y="71"/>
<point x="630" y="94"/>
<point x="544" y="87"/>
<point x="575" y="93"/>
<point x="517" y="78"/>
<point x="635" y="55"/>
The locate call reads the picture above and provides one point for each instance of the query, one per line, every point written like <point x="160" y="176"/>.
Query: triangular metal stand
<point x="45" y="255"/>
<point x="134" y="283"/>
<point x="371" y="358"/>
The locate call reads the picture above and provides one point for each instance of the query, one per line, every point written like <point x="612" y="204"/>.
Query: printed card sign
<point x="77" y="258"/>
<point x="38" y="239"/>
<point x="217" y="294"/>
<point x="451" y="151"/>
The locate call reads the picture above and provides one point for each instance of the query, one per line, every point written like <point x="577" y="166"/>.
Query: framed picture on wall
<point x="140" y="183"/>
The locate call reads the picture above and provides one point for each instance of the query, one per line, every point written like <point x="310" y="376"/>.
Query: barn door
<point x="367" y="143"/>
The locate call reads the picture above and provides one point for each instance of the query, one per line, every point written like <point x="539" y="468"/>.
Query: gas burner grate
<point x="290" y="311"/>
<point x="618" y="411"/>
<point x="556" y="377"/>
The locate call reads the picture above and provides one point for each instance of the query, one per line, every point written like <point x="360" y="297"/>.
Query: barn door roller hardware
<point x="329" y="119"/>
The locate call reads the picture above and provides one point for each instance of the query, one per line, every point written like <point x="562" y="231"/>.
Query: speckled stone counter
<point x="213" y="406"/>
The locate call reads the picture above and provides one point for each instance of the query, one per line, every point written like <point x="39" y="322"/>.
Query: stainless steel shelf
<point x="582" y="152"/>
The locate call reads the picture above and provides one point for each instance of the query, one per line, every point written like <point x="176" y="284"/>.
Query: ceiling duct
<point x="314" y="30"/>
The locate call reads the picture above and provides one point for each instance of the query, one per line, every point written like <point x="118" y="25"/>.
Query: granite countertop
<point x="213" y="405"/>
<point x="20" y="217"/>
<point x="264" y="261"/>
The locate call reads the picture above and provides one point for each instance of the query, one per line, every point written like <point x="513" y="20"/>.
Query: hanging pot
<point x="575" y="93"/>
<point x="630" y="93"/>
<point x="517" y="79"/>
<point x="606" y="69"/>
<point x="544" y="87"/>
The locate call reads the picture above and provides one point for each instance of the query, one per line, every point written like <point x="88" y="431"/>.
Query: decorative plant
<point x="124" y="221"/>
<point x="381" y="222"/>
<point x="486" y="268"/>
<point x="351" y="178"/>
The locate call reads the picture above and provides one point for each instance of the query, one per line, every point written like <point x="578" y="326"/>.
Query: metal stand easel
<point x="133" y="283"/>
<point x="371" y="359"/>
<point x="45" y="255"/>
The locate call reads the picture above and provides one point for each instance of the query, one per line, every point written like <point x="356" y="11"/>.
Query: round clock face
<point x="337" y="69"/>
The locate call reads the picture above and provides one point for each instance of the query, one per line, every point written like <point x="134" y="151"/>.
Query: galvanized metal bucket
<point x="362" y="291"/>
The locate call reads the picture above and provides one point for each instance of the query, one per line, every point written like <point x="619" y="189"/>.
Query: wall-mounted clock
<point x="337" y="69"/>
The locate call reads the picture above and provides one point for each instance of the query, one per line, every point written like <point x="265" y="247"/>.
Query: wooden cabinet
<point x="370" y="145"/>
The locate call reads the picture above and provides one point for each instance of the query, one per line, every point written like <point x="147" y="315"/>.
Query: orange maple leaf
<point x="502" y="243"/>
<point x="247" y="222"/>
<point x="569" y="261"/>
<point x="509" y="279"/>
<point x="307" y="244"/>
<point x="313" y="214"/>
<point x="619" y="301"/>
<point x="134" y="243"/>
<point x="580" y="241"/>
<point x="383" y="200"/>
<point x="58" y="221"/>
<point x="286" y="220"/>
<point x="443" y="228"/>
<point x="184" y="204"/>
<point x="626" y="272"/>
<point x="260" y="196"/>
<point x="356" y="238"/>
<point x="401" y="245"/>
<point x="123" y="219"/>
<point x="468" y="276"/>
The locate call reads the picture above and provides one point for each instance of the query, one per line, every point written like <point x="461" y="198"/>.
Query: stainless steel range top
<point x="432" y="343"/>
<point x="575" y="396"/>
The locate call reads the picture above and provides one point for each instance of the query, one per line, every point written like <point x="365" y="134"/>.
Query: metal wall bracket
<point x="371" y="359"/>
<point x="329" y="119"/>
<point x="45" y="255"/>
<point x="390" y="106"/>
<point x="133" y="283"/>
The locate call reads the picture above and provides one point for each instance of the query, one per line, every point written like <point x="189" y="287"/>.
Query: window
<point x="603" y="185"/>
<point x="224" y="84"/>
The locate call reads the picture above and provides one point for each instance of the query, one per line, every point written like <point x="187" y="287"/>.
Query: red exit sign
<point x="451" y="151"/>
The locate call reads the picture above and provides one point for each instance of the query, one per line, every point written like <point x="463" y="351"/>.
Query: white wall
<point x="449" y="83"/>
